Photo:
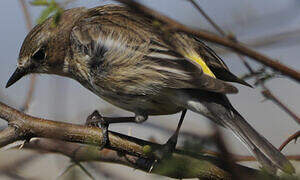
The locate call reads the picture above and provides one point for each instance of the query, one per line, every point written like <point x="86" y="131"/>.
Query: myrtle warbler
<point x="120" y="56"/>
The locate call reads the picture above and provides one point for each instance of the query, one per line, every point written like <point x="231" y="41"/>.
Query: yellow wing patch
<point x="202" y="64"/>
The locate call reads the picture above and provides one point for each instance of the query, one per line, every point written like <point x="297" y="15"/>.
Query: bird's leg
<point x="170" y="145"/>
<point x="95" y="119"/>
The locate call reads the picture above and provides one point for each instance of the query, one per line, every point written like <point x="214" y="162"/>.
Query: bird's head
<point x="44" y="48"/>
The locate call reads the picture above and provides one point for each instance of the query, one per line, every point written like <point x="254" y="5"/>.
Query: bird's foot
<point x="96" y="120"/>
<point x="167" y="149"/>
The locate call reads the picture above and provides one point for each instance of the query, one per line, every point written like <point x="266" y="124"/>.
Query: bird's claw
<point x="167" y="149"/>
<point x="93" y="119"/>
<point x="96" y="120"/>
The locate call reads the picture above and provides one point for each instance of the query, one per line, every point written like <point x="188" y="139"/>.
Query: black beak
<point x="18" y="74"/>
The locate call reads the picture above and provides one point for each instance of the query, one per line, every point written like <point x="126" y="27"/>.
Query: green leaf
<point x="56" y="17"/>
<point x="46" y="13"/>
<point x="40" y="3"/>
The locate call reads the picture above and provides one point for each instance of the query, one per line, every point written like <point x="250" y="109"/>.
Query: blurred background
<point x="271" y="27"/>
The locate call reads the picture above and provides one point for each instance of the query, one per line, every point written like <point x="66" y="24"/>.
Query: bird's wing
<point x="183" y="56"/>
<point x="199" y="53"/>
<point x="128" y="52"/>
<point x="216" y="64"/>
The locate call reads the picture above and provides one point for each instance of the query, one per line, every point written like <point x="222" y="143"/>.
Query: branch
<point x="239" y="158"/>
<point x="141" y="152"/>
<point x="26" y="14"/>
<point x="8" y="136"/>
<point x="289" y="139"/>
<point x="168" y="25"/>
<point x="215" y="25"/>
<point x="78" y="152"/>
<point x="269" y="95"/>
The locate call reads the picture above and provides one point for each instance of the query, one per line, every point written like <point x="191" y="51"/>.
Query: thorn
<point x="152" y="166"/>
<point x="22" y="144"/>
<point x="11" y="146"/>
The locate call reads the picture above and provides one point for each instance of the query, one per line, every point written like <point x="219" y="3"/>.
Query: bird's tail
<point x="218" y="108"/>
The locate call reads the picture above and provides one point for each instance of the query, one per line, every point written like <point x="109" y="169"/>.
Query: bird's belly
<point x="148" y="104"/>
<point x="145" y="104"/>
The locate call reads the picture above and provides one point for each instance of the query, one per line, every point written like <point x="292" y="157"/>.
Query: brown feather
<point x="126" y="66"/>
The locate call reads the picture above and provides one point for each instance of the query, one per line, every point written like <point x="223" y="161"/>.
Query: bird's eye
<point x="39" y="55"/>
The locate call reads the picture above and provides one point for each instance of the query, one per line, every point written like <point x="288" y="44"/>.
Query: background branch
<point x="269" y="95"/>
<point x="289" y="139"/>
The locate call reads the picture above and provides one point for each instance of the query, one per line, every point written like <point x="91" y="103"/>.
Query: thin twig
<point x="239" y="158"/>
<point x="66" y="170"/>
<point x="289" y="139"/>
<point x="85" y="170"/>
<point x="215" y="25"/>
<point x="269" y="95"/>
<point x="26" y="14"/>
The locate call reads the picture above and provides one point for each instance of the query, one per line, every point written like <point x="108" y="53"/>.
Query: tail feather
<point x="260" y="143"/>
<point x="264" y="151"/>
<point x="218" y="108"/>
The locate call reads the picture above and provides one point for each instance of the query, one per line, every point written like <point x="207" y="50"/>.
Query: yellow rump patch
<point x="203" y="65"/>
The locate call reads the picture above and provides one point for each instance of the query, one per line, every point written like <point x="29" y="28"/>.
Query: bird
<point x="121" y="57"/>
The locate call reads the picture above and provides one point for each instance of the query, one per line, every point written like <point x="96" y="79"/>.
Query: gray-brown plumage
<point x="122" y="58"/>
